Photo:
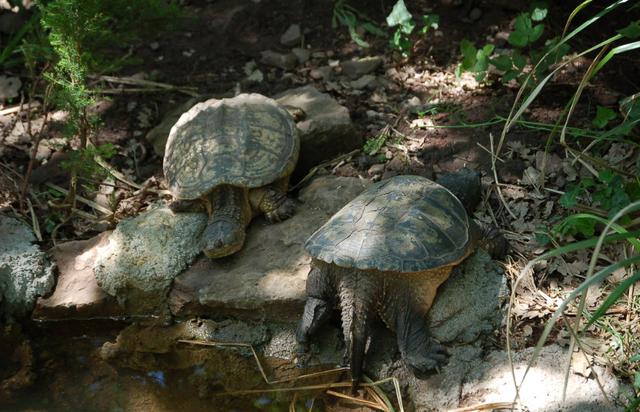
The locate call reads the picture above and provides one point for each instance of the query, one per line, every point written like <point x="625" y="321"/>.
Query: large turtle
<point x="232" y="158"/>
<point x="385" y="253"/>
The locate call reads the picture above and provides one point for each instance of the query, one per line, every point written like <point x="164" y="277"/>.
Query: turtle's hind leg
<point x="404" y="308"/>
<point x="321" y="294"/>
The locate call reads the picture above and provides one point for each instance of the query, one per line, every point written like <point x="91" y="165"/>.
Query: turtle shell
<point x="247" y="141"/>
<point x="403" y="224"/>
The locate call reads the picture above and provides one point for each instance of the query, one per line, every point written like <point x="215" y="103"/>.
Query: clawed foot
<point x="424" y="364"/>
<point x="302" y="356"/>
<point x="282" y="212"/>
<point x="184" y="205"/>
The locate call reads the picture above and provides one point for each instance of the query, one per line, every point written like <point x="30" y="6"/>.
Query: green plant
<point x="354" y="20"/>
<point x="527" y="30"/>
<point x="82" y="34"/>
<point x="405" y="25"/>
<point x="613" y="196"/>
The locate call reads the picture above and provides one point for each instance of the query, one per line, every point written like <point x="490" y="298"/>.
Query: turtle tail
<point x="357" y="293"/>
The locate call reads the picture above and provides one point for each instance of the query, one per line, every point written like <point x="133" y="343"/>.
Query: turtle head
<point x="222" y="238"/>
<point x="465" y="184"/>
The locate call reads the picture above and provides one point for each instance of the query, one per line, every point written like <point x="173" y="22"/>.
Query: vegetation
<point x="66" y="47"/>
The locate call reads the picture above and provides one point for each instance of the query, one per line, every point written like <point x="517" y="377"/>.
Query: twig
<point x="16" y="109"/>
<point x="487" y="407"/>
<point x="494" y="156"/>
<point x="148" y="84"/>
<point x="370" y="404"/>
<point x="315" y="169"/>
<point x="81" y="199"/>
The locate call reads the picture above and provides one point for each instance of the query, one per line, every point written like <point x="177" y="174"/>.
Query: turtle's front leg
<point x="273" y="202"/>
<point x="321" y="296"/>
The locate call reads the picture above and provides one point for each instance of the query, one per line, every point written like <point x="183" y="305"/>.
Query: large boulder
<point x="25" y="272"/>
<point x="143" y="255"/>
<point x="266" y="279"/>
<point x="325" y="132"/>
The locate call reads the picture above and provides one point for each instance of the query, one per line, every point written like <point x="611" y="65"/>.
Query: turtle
<point x="232" y="158"/>
<point x="384" y="254"/>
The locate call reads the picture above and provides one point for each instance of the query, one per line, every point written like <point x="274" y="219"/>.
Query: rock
<point x="77" y="294"/>
<point x="25" y="272"/>
<point x="366" y="81"/>
<point x="301" y="54"/>
<point x="321" y="73"/>
<point x="266" y="279"/>
<point x="325" y="132"/>
<point x="292" y="36"/>
<point x="284" y="61"/>
<point x="144" y="254"/>
<point x="483" y="285"/>
<point x="490" y="380"/>
<point x="376" y="169"/>
<point x="255" y="77"/>
<point x="475" y="14"/>
<point x="356" y="68"/>
<point x="9" y="87"/>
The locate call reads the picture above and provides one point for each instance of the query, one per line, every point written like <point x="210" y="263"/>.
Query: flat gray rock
<point x="266" y="279"/>
<point x="144" y="254"/>
<point x="356" y="68"/>
<point x="25" y="272"/>
<point x="325" y="132"/>
<point x="77" y="294"/>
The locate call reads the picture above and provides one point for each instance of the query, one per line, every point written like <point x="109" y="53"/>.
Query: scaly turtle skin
<point x="232" y="158"/>
<point x="385" y="253"/>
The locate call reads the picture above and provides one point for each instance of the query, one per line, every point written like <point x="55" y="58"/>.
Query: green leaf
<point x="488" y="49"/>
<point x="632" y="31"/>
<point x="536" y="33"/>
<point x="636" y="381"/>
<point x="510" y="75"/>
<point x="518" y="39"/>
<point x="539" y="12"/>
<point x="570" y="196"/>
<point x="613" y="297"/>
<point x="408" y="26"/>
<point x="430" y="21"/>
<point x="469" y="52"/>
<point x="603" y="116"/>
<point x="399" y="15"/>
<point x="502" y="62"/>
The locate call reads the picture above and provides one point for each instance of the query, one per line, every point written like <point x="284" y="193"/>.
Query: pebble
<point x="321" y="73"/>
<point x="376" y="169"/>
<point x="284" y="61"/>
<point x="292" y="36"/>
<point x="368" y="80"/>
<point x="301" y="54"/>
<point x="357" y="68"/>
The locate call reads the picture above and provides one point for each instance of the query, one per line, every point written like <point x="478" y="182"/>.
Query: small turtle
<point x="233" y="158"/>
<point x="385" y="253"/>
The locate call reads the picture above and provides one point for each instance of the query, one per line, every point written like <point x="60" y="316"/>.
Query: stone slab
<point x="77" y="294"/>
<point x="266" y="279"/>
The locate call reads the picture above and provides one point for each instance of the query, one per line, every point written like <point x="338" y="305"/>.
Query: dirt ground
<point x="210" y="51"/>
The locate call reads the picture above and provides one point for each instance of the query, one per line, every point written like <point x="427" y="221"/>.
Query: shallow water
<point x="84" y="366"/>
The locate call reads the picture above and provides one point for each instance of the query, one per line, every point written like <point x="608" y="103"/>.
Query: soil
<point x="209" y="51"/>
